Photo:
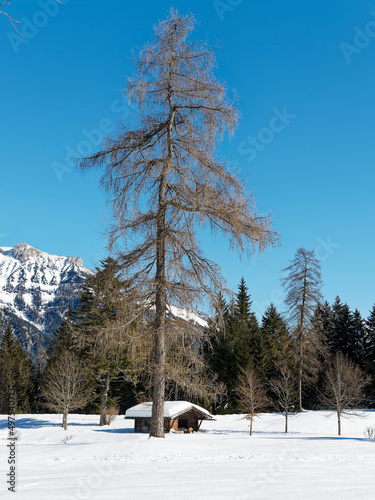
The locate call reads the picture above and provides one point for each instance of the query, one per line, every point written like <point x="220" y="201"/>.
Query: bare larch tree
<point x="302" y="284"/>
<point x="165" y="177"/>
<point x="252" y="395"/>
<point x="284" y="389"/>
<point x="344" y="384"/>
<point x="65" y="385"/>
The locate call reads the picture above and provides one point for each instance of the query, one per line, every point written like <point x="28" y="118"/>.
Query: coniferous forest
<point x="104" y="352"/>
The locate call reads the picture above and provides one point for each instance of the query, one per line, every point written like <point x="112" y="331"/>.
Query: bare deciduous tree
<point x="344" y="386"/>
<point x="65" y="385"/>
<point x="302" y="285"/>
<point x="284" y="389"/>
<point x="165" y="178"/>
<point x="252" y="395"/>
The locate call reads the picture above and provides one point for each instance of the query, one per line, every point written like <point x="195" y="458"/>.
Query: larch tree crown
<point x="165" y="178"/>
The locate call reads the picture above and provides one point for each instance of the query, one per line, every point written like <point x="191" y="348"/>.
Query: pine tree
<point x="15" y="374"/>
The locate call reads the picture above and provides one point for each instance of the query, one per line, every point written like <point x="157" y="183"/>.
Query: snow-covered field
<point x="220" y="462"/>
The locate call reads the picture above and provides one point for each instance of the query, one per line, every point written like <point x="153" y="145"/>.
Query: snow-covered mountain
<point x="36" y="288"/>
<point x="198" y="318"/>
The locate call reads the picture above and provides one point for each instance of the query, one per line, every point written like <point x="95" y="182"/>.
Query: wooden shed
<point x="179" y="416"/>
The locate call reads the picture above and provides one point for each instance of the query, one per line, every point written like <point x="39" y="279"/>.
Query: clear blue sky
<point x="309" y="61"/>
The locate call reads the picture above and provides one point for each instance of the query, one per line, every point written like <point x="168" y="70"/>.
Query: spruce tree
<point x="99" y="336"/>
<point x="276" y="337"/>
<point x="358" y="339"/>
<point x="15" y="375"/>
<point x="370" y="340"/>
<point x="221" y="354"/>
<point x="65" y="338"/>
<point x="250" y="346"/>
<point x="368" y="361"/>
<point x="244" y="327"/>
<point x="348" y="331"/>
<point x="323" y="321"/>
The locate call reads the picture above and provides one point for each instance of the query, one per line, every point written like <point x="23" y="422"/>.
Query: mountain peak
<point x="23" y="252"/>
<point x="37" y="288"/>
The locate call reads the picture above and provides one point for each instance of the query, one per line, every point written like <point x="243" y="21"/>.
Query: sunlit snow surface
<point x="220" y="462"/>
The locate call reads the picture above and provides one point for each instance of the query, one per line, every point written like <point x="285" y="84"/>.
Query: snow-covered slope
<point x="38" y="287"/>
<point x="221" y="462"/>
<point x="196" y="317"/>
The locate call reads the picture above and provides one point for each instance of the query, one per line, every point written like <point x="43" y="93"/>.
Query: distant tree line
<point x="315" y="355"/>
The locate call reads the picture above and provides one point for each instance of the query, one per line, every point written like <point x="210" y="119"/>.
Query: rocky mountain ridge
<point x="36" y="289"/>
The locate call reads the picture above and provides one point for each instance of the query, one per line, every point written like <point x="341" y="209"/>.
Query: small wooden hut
<point x="179" y="416"/>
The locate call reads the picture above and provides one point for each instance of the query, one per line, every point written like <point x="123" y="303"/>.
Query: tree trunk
<point x="300" y="385"/>
<point x="65" y="420"/>
<point x="339" y="421"/>
<point x="158" y="383"/>
<point x="300" y="337"/>
<point x="104" y="399"/>
<point x="286" y="421"/>
<point x="251" y="424"/>
<point x="157" y="417"/>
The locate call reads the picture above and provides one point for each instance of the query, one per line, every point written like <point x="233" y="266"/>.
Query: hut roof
<point x="172" y="409"/>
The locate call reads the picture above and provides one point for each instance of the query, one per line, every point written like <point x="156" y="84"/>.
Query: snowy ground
<point x="220" y="462"/>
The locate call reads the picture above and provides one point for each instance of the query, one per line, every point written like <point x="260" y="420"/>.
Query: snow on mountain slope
<point x="38" y="287"/>
<point x="197" y="317"/>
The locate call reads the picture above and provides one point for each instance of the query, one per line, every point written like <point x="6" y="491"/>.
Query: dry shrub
<point x="111" y="413"/>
